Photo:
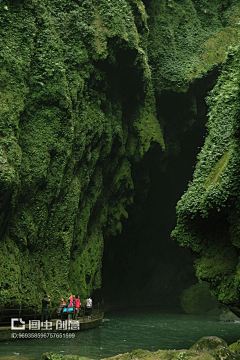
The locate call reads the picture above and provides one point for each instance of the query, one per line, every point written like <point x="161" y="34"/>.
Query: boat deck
<point x="81" y="320"/>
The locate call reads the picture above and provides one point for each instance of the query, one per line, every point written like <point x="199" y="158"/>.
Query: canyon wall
<point x="82" y="88"/>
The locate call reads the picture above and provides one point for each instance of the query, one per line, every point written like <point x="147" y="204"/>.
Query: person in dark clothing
<point x="45" y="303"/>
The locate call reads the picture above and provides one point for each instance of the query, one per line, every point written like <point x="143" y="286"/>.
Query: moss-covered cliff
<point x="208" y="213"/>
<point x="77" y="108"/>
<point x="80" y="88"/>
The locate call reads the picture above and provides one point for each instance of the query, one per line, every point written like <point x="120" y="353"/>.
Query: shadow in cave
<point x="143" y="266"/>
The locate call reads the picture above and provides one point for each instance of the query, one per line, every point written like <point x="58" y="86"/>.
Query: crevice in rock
<point x="142" y="265"/>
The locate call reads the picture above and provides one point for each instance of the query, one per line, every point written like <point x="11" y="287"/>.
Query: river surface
<point x="127" y="330"/>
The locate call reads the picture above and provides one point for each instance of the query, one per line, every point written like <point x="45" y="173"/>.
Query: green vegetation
<point x="79" y="88"/>
<point x="208" y="213"/>
<point x="207" y="348"/>
<point x="188" y="38"/>
<point x="77" y="110"/>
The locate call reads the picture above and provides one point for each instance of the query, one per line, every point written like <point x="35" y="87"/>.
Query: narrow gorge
<point x="113" y="114"/>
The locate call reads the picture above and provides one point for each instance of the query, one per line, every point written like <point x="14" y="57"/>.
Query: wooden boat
<point x="24" y="332"/>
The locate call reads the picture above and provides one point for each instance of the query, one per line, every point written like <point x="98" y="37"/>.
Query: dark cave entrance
<point x="143" y="266"/>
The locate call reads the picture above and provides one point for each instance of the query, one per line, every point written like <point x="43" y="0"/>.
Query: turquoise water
<point x="126" y="330"/>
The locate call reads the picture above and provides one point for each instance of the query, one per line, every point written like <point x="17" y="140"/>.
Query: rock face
<point x="77" y="110"/>
<point x="214" y="346"/>
<point x="80" y="89"/>
<point x="197" y="299"/>
<point x="228" y="316"/>
<point x="209" y="344"/>
<point x="208" y="213"/>
<point x="207" y="348"/>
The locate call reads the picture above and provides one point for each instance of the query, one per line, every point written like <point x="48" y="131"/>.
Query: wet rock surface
<point x="197" y="299"/>
<point x="207" y="348"/>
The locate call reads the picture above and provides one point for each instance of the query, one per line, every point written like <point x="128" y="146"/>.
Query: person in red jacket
<point x="71" y="306"/>
<point x="77" y="306"/>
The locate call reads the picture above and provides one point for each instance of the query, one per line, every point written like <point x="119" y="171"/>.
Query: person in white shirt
<point x="88" y="307"/>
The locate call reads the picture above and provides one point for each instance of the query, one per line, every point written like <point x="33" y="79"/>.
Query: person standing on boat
<point x="88" y="309"/>
<point x="45" y="303"/>
<point x="77" y="305"/>
<point x="70" y="306"/>
<point x="62" y="305"/>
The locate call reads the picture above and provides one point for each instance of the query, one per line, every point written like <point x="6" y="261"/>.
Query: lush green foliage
<point x="77" y="109"/>
<point x="188" y="38"/>
<point x="208" y="213"/>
